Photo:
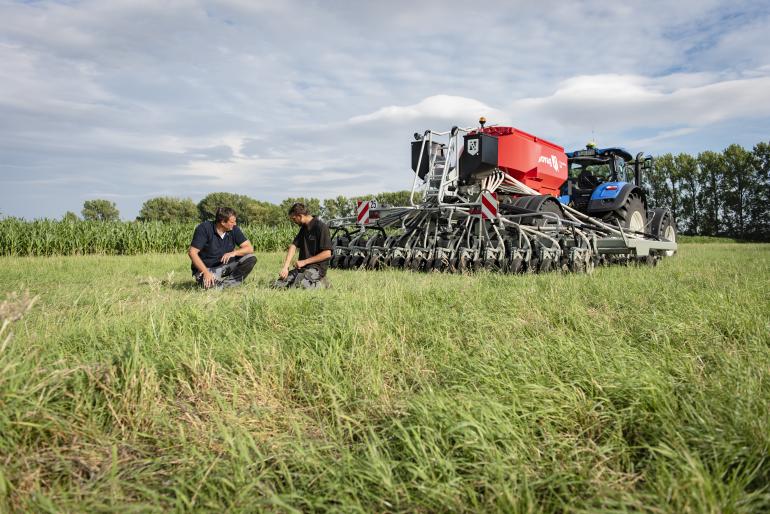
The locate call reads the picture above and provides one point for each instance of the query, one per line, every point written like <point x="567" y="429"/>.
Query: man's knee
<point x="284" y="283"/>
<point x="247" y="262"/>
<point x="243" y="266"/>
<point x="312" y="279"/>
<point x="280" y="284"/>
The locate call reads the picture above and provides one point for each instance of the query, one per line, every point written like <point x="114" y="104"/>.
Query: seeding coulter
<point x="501" y="199"/>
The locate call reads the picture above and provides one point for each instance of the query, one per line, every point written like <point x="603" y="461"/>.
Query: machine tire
<point x="632" y="215"/>
<point x="535" y="203"/>
<point x="357" y="262"/>
<point x="663" y="226"/>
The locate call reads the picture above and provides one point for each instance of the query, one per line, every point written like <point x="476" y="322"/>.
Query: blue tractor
<point x="608" y="184"/>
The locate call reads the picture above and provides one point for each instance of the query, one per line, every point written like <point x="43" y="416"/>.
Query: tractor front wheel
<point x="664" y="227"/>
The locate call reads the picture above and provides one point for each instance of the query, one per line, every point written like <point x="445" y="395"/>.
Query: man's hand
<point x="208" y="279"/>
<point x="300" y="264"/>
<point x="284" y="273"/>
<point x="226" y="257"/>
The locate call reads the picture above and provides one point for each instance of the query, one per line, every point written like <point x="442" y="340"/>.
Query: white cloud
<point x="278" y="98"/>
<point x="626" y="101"/>
<point x="438" y="107"/>
<point x="665" y="135"/>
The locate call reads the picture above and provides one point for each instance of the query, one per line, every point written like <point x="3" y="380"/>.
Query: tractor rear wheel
<point x="632" y="216"/>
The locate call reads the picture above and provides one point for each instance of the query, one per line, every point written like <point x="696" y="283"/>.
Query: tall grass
<point x="125" y="389"/>
<point x="49" y="237"/>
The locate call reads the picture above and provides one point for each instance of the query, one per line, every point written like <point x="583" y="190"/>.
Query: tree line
<point x="711" y="194"/>
<point x="250" y="211"/>
<point x="716" y="193"/>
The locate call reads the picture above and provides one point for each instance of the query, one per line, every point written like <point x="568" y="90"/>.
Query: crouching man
<point x="315" y="251"/>
<point x="215" y="260"/>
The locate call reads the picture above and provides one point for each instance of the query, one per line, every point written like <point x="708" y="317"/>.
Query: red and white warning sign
<point x="488" y="205"/>
<point x="362" y="212"/>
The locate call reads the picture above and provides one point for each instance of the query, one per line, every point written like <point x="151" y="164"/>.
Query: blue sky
<point x="128" y="100"/>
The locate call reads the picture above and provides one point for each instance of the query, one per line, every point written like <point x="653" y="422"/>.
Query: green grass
<point x="124" y="389"/>
<point x="706" y="239"/>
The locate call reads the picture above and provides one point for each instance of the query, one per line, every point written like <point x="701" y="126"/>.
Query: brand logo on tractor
<point x="473" y="146"/>
<point x="551" y="161"/>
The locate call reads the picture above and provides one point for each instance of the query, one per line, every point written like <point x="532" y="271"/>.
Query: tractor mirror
<point x="647" y="164"/>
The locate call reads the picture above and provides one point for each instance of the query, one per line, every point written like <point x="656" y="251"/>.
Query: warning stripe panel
<point x="363" y="212"/>
<point x="488" y="205"/>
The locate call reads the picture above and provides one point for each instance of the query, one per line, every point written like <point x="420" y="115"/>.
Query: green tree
<point x="100" y="210"/>
<point x="716" y="193"/>
<point x="70" y="217"/>
<point x="264" y="213"/>
<point x="738" y="187"/>
<point x="342" y="206"/>
<point x="208" y="206"/>
<point x="339" y="207"/>
<point x="313" y="205"/>
<point x="249" y="210"/>
<point x="664" y="182"/>
<point x="395" y="199"/>
<point x="656" y="181"/>
<point x="712" y="171"/>
<point x="690" y="192"/>
<point x="168" y="209"/>
<point x="760" y="201"/>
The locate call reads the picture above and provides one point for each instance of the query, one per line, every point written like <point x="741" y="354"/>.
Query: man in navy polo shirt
<point x="215" y="260"/>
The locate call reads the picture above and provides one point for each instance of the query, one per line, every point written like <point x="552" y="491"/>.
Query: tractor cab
<point x="594" y="166"/>
<point x="602" y="180"/>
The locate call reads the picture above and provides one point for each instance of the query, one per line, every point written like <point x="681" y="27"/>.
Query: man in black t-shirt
<point x="215" y="260"/>
<point x="315" y="250"/>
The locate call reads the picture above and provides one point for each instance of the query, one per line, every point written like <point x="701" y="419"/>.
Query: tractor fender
<point x="602" y="202"/>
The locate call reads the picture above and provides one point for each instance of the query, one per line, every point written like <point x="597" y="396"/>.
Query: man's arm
<point x="244" y="249"/>
<point x="208" y="277"/>
<point x="287" y="261"/>
<point x="320" y="256"/>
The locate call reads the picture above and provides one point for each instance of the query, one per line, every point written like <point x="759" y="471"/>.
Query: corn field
<point x="51" y="237"/>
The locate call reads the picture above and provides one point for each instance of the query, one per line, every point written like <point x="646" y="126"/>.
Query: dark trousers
<point x="232" y="273"/>
<point x="306" y="278"/>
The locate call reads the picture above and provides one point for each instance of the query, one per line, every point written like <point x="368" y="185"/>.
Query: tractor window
<point x="624" y="172"/>
<point x="590" y="175"/>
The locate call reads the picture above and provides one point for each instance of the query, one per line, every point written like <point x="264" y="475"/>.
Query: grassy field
<point x="124" y="389"/>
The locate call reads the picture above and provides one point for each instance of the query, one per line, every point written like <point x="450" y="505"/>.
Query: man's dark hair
<point x="223" y="214"/>
<point x="298" y="209"/>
